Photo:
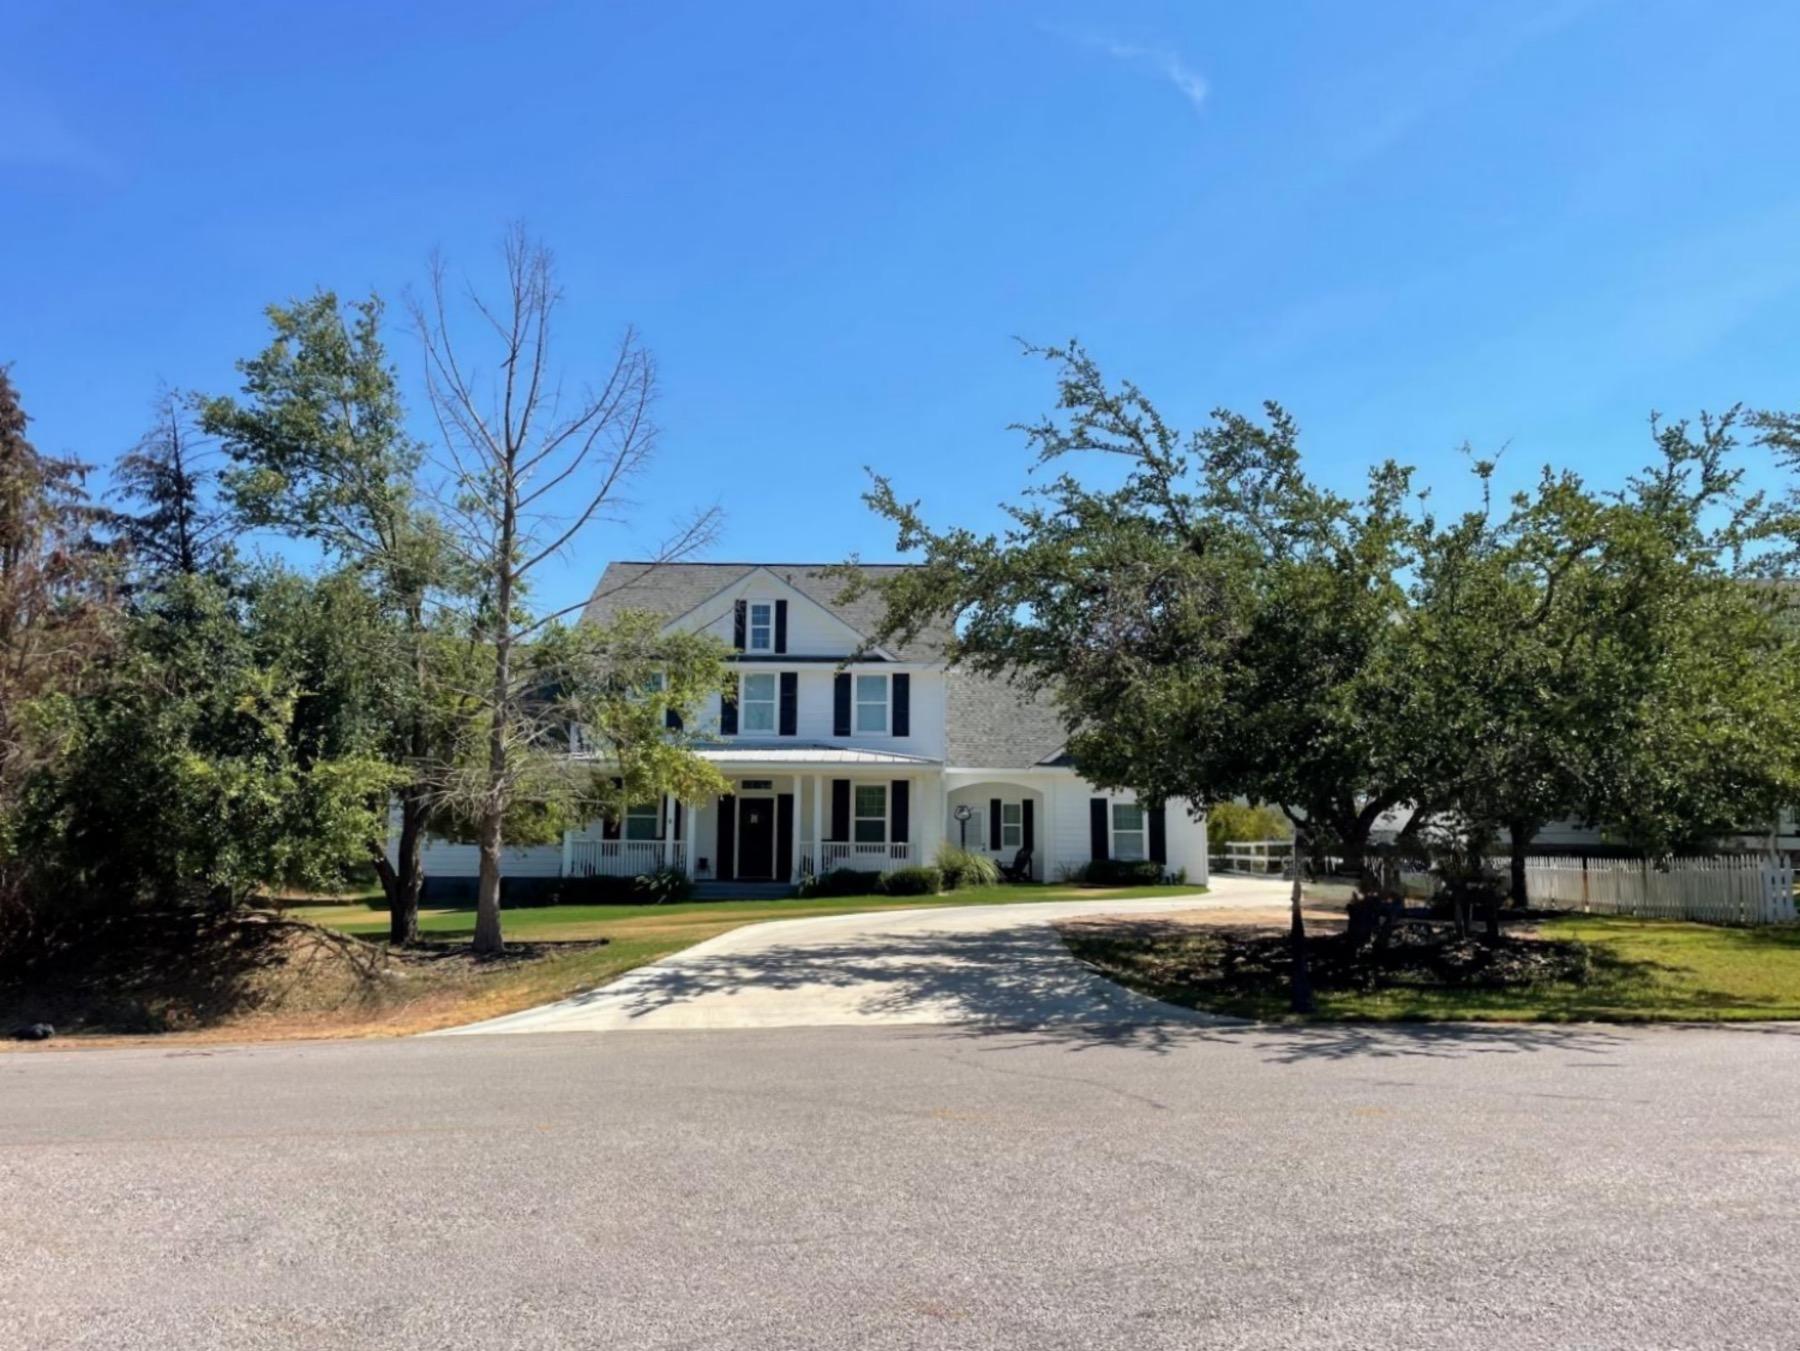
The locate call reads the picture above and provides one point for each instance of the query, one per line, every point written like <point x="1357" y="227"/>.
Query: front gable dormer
<point x="762" y="615"/>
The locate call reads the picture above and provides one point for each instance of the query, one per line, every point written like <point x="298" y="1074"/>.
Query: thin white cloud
<point x="1166" y="63"/>
<point x="38" y="136"/>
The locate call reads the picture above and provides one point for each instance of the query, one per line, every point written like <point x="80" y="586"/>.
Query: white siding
<point x="811" y="630"/>
<point x="445" y="858"/>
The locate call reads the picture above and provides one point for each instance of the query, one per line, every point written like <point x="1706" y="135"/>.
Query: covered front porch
<point x="792" y="813"/>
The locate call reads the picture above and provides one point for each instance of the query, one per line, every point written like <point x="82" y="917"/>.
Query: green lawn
<point x="552" y="922"/>
<point x="1641" y="970"/>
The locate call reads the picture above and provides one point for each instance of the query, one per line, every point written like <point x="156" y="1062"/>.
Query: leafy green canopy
<point x="1219" y="627"/>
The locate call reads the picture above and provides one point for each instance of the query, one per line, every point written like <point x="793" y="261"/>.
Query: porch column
<point x="819" y="824"/>
<point x="795" y="875"/>
<point x="929" y="826"/>
<point x="687" y="841"/>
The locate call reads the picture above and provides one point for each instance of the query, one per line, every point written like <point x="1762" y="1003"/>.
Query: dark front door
<point x="756" y="839"/>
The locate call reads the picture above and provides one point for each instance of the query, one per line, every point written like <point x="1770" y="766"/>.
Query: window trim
<point x="773" y="701"/>
<point x="638" y="809"/>
<point x="1016" y="826"/>
<point x="1142" y="832"/>
<point x="857" y="703"/>
<point x="857" y="817"/>
<point x="750" y="625"/>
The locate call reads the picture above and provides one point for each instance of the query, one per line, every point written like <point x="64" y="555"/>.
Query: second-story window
<point x="761" y="636"/>
<point x="871" y="703"/>
<point x="756" y="707"/>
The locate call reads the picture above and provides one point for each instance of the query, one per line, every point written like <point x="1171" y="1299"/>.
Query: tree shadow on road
<point x="1324" y="1042"/>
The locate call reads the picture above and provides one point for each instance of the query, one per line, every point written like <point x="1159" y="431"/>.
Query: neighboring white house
<point x="845" y="755"/>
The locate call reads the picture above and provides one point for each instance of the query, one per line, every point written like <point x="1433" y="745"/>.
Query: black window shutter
<point x="902" y="720"/>
<point x="672" y="719"/>
<point x="1098" y="847"/>
<point x="1027" y="836"/>
<point x="739" y="617"/>
<point x="726" y="867"/>
<point x="781" y="626"/>
<point x="840" y="810"/>
<point x="840" y="704"/>
<point x="728" y="715"/>
<point x="900" y="812"/>
<point x="784" y="837"/>
<point x="790" y="702"/>
<point x="1159" y="835"/>
<point x="678" y="834"/>
<point x="993" y="823"/>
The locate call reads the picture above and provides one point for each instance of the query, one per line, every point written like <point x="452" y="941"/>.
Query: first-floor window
<point x="1128" y="831"/>
<point x="871" y="813"/>
<point x="1012" y="825"/>
<point x="643" y="821"/>
<point x="756" y="709"/>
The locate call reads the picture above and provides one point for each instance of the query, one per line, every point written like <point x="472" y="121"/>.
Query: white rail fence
<point x="1725" y="889"/>
<point x="1728" y="889"/>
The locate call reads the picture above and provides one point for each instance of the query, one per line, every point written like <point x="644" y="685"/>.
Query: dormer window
<point x="761" y="632"/>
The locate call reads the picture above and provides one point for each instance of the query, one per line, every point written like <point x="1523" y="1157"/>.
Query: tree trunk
<point x="488" y="939"/>
<point x="409" y="879"/>
<point x="1520" y="834"/>
<point x="1300" y="993"/>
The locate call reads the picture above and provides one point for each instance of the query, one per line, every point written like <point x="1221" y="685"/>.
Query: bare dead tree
<point x="527" y="467"/>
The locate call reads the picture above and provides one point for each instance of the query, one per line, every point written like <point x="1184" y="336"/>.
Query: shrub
<point x="662" y="886"/>
<point x="654" y="888"/>
<point x="842" y="882"/>
<point x="1118" y="872"/>
<point x="964" y="868"/>
<point x="913" y="882"/>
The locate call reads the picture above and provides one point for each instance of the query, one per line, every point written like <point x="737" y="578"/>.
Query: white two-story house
<point x="841" y="754"/>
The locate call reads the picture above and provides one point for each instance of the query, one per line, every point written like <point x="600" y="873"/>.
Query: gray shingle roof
<point x="996" y="724"/>
<point x="675" y="588"/>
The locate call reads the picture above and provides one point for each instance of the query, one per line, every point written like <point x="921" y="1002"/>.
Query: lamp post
<point x="963" y="813"/>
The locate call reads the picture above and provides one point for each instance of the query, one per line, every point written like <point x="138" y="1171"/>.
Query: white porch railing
<point x="618" y="858"/>
<point x="872" y="858"/>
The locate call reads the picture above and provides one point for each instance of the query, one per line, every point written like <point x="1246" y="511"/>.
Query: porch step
<point x="742" y="891"/>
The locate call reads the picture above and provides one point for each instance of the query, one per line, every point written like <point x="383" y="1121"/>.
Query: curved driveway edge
<point x="998" y="965"/>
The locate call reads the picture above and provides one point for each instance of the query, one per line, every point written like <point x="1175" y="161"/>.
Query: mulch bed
<point x="1198" y="962"/>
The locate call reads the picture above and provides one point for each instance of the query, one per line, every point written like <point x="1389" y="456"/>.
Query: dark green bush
<point x="655" y="888"/>
<point x="1118" y="872"/>
<point x="662" y="886"/>
<point x="913" y="882"/>
<point x="842" y="882"/>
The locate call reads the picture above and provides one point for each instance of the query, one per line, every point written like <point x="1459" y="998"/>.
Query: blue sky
<point x="1419" y="224"/>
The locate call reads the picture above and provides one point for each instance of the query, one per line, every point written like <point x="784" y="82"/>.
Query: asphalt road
<point x="877" y="1187"/>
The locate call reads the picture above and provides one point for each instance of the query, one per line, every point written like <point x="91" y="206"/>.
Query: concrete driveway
<point x="991" y="965"/>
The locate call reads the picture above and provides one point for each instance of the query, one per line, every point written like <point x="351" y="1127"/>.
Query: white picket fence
<point x="1728" y="889"/>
